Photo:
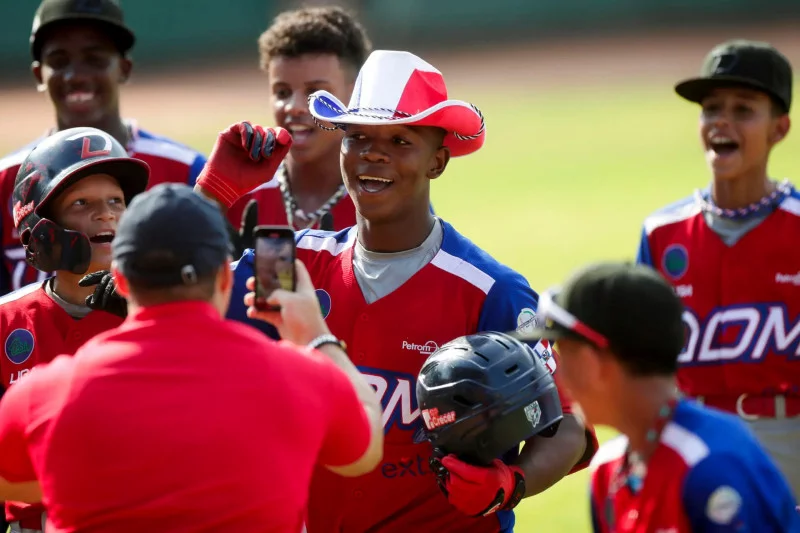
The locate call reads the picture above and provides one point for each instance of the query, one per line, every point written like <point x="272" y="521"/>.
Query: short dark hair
<point x="315" y="30"/>
<point x="146" y="293"/>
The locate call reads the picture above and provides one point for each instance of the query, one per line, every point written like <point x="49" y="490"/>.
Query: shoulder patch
<point x="19" y="346"/>
<point x="723" y="505"/>
<point x="526" y="320"/>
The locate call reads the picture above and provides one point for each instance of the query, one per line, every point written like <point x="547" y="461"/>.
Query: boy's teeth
<point x="373" y="178"/>
<point x="79" y="97"/>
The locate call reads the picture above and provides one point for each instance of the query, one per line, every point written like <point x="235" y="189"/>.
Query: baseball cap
<point x="629" y="309"/>
<point x="170" y="236"/>
<point x="752" y="64"/>
<point x="106" y="12"/>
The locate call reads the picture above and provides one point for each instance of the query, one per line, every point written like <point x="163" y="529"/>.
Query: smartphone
<point x="273" y="263"/>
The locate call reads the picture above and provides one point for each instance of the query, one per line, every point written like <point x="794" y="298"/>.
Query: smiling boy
<point x="305" y="50"/>
<point x="80" y="52"/>
<point x="729" y="251"/>
<point x="397" y="285"/>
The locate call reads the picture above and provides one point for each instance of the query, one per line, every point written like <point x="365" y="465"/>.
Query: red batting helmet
<point x="54" y="164"/>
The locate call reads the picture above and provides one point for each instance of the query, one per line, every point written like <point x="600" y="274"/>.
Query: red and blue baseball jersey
<point x="461" y="291"/>
<point x="708" y="474"/>
<point x="741" y="293"/>
<point x="33" y="330"/>
<point x="169" y="162"/>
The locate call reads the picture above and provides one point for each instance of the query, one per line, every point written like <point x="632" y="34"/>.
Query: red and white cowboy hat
<point x="400" y="88"/>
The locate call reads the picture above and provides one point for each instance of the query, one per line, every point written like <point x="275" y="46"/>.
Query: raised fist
<point x="244" y="157"/>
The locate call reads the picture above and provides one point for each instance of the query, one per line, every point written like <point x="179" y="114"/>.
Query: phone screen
<point x="274" y="264"/>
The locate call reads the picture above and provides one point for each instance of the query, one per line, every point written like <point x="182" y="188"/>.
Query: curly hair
<point x="315" y="30"/>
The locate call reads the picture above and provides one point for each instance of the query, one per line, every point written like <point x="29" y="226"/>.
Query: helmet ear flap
<point x="51" y="247"/>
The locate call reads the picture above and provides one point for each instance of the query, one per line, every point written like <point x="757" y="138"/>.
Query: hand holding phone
<point x="273" y="263"/>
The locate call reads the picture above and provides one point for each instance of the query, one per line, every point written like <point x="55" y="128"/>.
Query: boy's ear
<point x="782" y="128"/>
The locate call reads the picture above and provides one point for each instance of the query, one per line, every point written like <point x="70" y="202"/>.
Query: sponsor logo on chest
<point x="425" y="349"/>
<point x="788" y="279"/>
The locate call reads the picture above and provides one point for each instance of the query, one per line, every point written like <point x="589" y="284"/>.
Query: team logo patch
<point x="19" y="346"/>
<point x="675" y="261"/>
<point x="526" y="321"/>
<point x="324" y="302"/>
<point x="723" y="505"/>
<point x="533" y="413"/>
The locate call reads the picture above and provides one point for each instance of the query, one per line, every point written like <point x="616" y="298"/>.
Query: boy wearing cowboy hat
<point x="395" y="287"/>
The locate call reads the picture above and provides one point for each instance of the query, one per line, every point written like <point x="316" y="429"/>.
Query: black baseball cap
<point x="628" y="309"/>
<point x="107" y="13"/>
<point x="741" y="63"/>
<point x="170" y="236"/>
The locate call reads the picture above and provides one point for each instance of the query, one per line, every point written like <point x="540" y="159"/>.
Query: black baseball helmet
<point x="54" y="164"/>
<point x="105" y="13"/>
<point x="483" y="394"/>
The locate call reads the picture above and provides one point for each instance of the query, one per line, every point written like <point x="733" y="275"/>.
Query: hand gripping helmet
<point x="57" y="162"/>
<point x="482" y="395"/>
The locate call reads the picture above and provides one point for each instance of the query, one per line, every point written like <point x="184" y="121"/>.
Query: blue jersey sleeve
<point x="194" y="170"/>
<point x="643" y="255"/>
<point x="510" y="305"/>
<point x="242" y="271"/>
<point x="721" y="495"/>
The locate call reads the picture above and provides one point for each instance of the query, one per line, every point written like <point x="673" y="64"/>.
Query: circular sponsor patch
<point x="19" y="346"/>
<point x="324" y="302"/>
<point x="526" y="320"/>
<point x="675" y="260"/>
<point x="723" y="505"/>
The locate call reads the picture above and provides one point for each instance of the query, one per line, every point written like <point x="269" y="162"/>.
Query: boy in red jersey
<point x="728" y="251"/>
<point x="678" y="466"/>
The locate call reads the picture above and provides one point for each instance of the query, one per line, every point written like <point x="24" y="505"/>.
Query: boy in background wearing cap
<point x="68" y="197"/>
<point x="384" y="286"/>
<point x="78" y="423"/>
<point x="80" y="58"/>
<point x="303" y="51"/>
<point x="678" y="466"/>
<point x="728" y="251"/>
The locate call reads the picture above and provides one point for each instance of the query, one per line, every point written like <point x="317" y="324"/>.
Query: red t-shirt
<point x="180" y="421"/>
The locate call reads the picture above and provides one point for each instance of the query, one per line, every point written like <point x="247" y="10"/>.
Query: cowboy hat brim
<point x="466" y="131"/>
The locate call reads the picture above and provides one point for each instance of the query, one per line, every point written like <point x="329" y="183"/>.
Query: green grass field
<point x="566" y="178"/>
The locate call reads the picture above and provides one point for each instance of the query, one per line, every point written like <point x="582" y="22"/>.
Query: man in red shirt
<point x="234" y="422"/>
<point x="80" y="52"/>
<point x="68" y="197"/>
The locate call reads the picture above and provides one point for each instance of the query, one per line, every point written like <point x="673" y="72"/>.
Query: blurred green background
<point x="585" y="136"/>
